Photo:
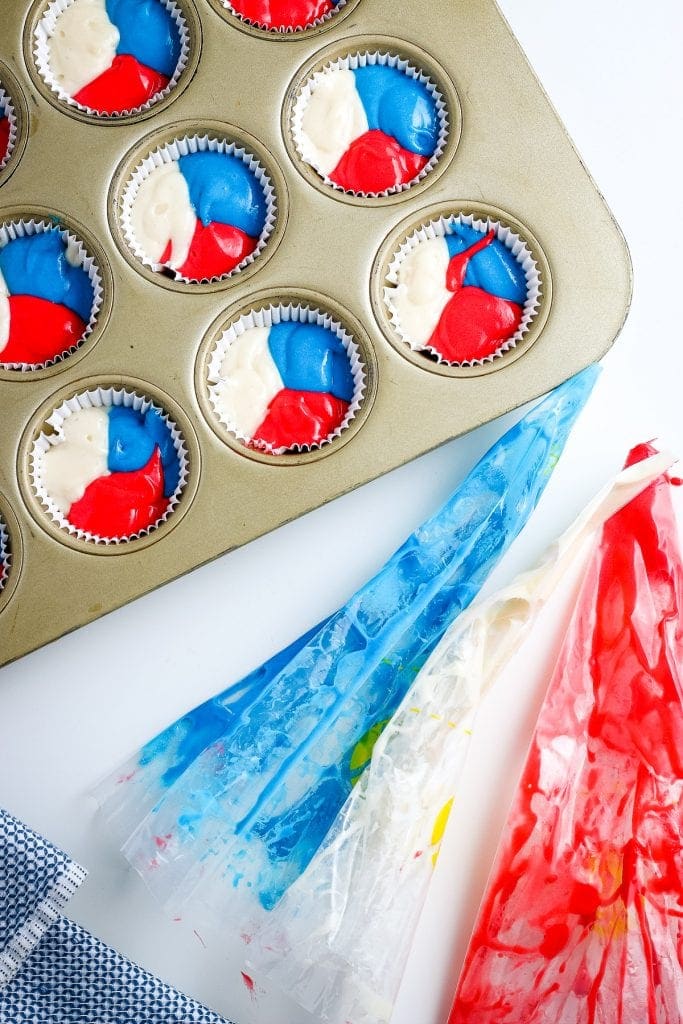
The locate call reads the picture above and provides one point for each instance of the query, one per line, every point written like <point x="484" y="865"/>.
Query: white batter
<point x="82" y="45"/>
<point x="334" y="118"/>
<point x="80" y="458"/>
<point x="421" y="295"/>
<point x="249" y="381"/>
<point x="162" y="213"/>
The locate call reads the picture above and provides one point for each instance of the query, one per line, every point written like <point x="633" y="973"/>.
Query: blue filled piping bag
<point x="142" y="781"/>
<point x="250" y="811"/>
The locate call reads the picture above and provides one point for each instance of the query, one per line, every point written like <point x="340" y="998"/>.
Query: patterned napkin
<point x="52" y="971"/>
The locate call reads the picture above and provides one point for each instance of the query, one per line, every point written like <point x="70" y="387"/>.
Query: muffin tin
<point x="506" y="158"/>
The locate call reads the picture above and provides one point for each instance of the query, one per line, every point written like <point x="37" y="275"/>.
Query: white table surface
<point x="70" y="712"/>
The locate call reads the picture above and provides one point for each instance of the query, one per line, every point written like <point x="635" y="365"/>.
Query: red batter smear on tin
<point x="474" y="324"/>
<point x="121" y="504"/>
<point x="215" y="250"/>
<point x="39" y="330"/>
<point x="282" y="14"/>
<point x="582" y="921"/>
<point x="300" y="418"/>
<point x="125" y="85"/>
<point x="249" y="983"/>
<point x="4" y="137"/>
<point x="375" y="162"/>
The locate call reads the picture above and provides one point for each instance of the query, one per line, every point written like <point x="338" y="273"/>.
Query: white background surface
<point x="71" y="712"/>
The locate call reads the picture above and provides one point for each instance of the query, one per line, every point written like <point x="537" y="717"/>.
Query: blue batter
<point x="147" y="32"/>
<point x="494" y="269"/>
<point x="310" y="357"/>
<point x="37" y="265"/>
<point x="223" y="189"/>
<point x="400" y="106"/>
<point x="133" y="437"/>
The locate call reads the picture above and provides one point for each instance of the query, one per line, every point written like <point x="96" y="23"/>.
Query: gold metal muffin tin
<point x="507" y="155"/>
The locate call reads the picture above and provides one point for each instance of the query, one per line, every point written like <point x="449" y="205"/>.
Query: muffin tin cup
<point x="354" y="48"/>
<point x="47" y="436"/>
<point x="36" y="45"/>
<point x="78" y="255"/>
<point x="215" y="139"/>
<point x="351" y="63"/>
<point x="247" y="24"/>
<point x="267" y="317"/>
<point x="440" y="228"/>
<point x="434" y="223"/>
<point x="7" y="110"/>
<point x="262" y="310"/>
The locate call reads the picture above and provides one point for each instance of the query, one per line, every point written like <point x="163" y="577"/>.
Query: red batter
<point x="474" y="323"/>
<point x="283" y="14"/>
<point x="375" y="162"/>
<point x="215" y="250"/>
<point x="40" y="330"/>
<point x="300" y="418"/>
<point x="127" y="84"/>
<point x="122" y="504"/>
<point x="582" y="922"/>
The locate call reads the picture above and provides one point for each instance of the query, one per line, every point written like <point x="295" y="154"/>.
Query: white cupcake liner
<point x="351" y="63"/>
<point x="41" y="54"/>
<point x="98" y="398"/>
<point x="172" y="152"/>
<point x="439" y="228"/>
<point x="78" y="256"/>
<point x="266" y="317"/>
<point x="7" y="110"/>
<point x="284" y="31"/>
<point x="5" y="554"/>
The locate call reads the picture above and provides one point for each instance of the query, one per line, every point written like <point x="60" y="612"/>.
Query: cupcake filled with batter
<point x="110" y="465"/>
<point x="198" y="209"/>
<point x="286" y="379"/>
<point x="50" y="294"/>
<point x="111" y="57"/>
<point x="462" y="290"/>
<point x="370" y="124"/>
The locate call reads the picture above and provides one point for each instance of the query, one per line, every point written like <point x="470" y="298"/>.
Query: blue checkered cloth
<point x="52" y="971"/>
